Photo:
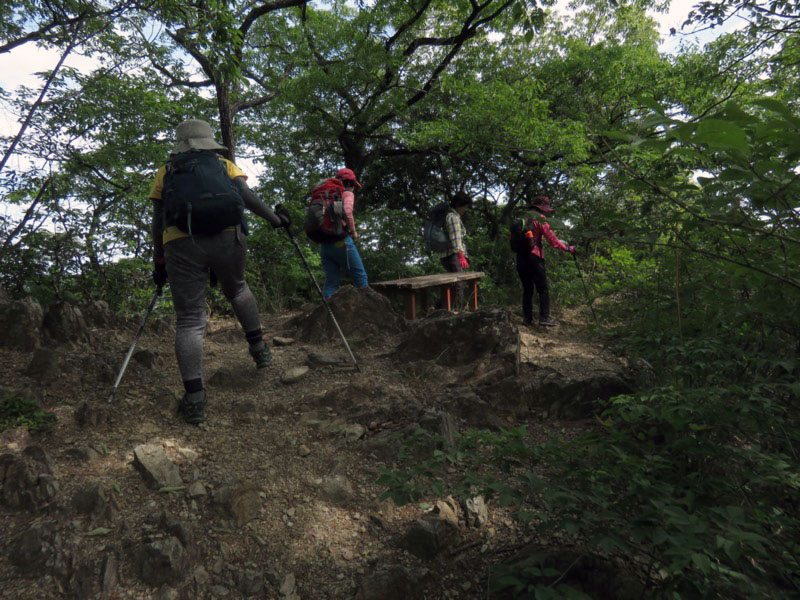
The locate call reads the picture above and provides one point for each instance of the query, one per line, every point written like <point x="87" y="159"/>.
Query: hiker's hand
<point x="571" y="249"/>
<point x="462" y="261"/>
<point x="159" y="271"/>
<point x="283" y="215"/>
<point x="354" y="235"/>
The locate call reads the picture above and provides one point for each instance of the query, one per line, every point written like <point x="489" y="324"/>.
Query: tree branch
<point x="265" y="8"/>
<point x="405" y="26"/>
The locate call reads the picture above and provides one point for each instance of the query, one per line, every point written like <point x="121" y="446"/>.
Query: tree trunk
<point x="226" y="119"/>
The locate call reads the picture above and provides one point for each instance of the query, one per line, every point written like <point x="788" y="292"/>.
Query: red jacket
<point x="538" y="228"/>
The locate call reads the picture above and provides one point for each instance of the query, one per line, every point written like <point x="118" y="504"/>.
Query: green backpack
<point x="199" y="197"/>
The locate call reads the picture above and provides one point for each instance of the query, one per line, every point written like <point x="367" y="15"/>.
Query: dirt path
<point x="302" y="457"/>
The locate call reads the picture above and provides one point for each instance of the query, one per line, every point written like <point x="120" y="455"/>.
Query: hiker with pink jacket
<point x="526" y="241"/>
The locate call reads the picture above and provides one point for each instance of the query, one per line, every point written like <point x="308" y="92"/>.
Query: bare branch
<point x="405" y="26"/>
<point x="265" y="8"/>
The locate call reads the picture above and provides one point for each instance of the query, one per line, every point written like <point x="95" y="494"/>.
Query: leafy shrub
<point x="692" y="484"/>
<point x="23" y="411"/>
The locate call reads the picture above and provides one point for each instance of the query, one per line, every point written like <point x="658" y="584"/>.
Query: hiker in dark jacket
<point x="186" y="258"/>
<point x="454" y="259"/>
<point x="530" y="260"/>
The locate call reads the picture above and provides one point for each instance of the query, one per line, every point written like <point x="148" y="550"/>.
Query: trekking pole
<point x="585" y="289"/>
<point x="321" y="295"/>
<point x="125" y="362"/>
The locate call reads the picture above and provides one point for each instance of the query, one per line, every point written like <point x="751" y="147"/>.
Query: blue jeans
<point x="341" y="256"/>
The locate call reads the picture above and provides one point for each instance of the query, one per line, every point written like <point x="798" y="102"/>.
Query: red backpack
<point x="325" y="211"/>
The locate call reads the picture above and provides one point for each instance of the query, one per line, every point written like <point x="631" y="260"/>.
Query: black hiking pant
<point x="451" y="265"/>
<point x="532" y="274"/>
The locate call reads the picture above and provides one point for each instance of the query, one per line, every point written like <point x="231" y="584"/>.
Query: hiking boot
<point x="192" y="407"/>
<point x="261" y="354"/>
<point x="547" y="322"/>
<point x="527" y="322"/>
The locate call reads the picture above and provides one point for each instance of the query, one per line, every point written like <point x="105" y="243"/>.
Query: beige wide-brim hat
<point x="195" y="134"/>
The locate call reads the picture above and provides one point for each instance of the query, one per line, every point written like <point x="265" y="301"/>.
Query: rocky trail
<point x="275" y="495"/>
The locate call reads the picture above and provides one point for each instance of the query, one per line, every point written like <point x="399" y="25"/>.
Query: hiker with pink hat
<point x="526" y="240"/>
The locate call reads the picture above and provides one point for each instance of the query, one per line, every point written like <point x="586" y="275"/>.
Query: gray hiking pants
<point x="188" y="261"/>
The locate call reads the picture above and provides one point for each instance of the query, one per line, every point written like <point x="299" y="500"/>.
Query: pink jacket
<point x="348" y="204"/>
<point x="540" y="228"/>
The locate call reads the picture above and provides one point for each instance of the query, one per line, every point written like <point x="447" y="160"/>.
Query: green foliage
<point x="693" y="483"/>
<point x="17" y="410"/>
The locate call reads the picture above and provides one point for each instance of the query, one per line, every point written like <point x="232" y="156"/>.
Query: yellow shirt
<point x="173" y="233"/>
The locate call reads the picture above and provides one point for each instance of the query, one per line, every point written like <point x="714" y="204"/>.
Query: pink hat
<point x="541" y="203"/>
<point x="348" y="175"/>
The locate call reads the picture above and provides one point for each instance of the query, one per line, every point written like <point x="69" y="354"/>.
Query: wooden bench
<point x="409" y="287"/>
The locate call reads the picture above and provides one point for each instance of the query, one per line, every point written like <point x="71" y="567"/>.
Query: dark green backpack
<point x="199" y="197"/>
<point x="517" y="239"/>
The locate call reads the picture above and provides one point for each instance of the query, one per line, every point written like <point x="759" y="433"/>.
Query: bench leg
<point x="411" y="305"/>
<point x="474" y="294"/>
<point x="446" y="298"/>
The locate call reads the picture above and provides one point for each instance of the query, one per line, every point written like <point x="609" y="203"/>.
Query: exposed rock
<point x="92" y="414"/>
<point x="28" y="479"/>
<point x="240" y="501"/>
<point x="427" y="537"/>
<point x="248" y="582"/>
<point x="282" y="341"/>
<point x="229" y="335"/>
<point x="294" y="375"/>
<point x="161" y="561"/>
<point x="45" y="364"/>
<point x="166" y="402"/>
<point x="156" y="469"/>
<point x="40" y="549"/>
<point x="99" y="367"/>
<point x="341" y="398"/>
<point x="287" y="585"/>
<point x="363" y="315"/>
<point x="391" y="582"/>
<point x="166" y="592"/>
<point x="90" y="499"/>
<point x="81" y="454"/>
<point x="187" y="453"/>
<point x="173" y="526"/>
<point x="448" y="510"/>
<point x="85" y="580"/>
<point x="476" y="512"/>
<point x="337" y="489"/>
<point x="21" y="324"/>
<point x="146" y="358"/>
<point x="351" y="431"/>
<point x="196" y="490"/>
<point x="461" y="339"/>
<point x="98" y="314"/>
<point x="64" y="322"/>
<point x="201" y="576"/>
<point x="110" y="576"/>
<point x="319" y="360"/>
<point x="14" y="439"/>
